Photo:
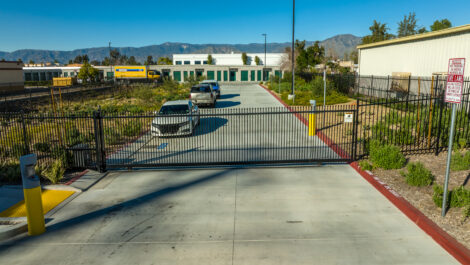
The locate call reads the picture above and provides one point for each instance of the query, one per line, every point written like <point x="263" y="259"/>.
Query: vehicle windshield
<point x="197" y="89"/>
<point x="211" y="83"/>
<point x="174" y="109"/>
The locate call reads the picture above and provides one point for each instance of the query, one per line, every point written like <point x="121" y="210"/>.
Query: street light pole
<point x="110" y="65"/>
<point x="293" y="59"/>
<point x="264" y="64"/>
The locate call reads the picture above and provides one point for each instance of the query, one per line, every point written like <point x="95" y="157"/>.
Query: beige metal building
<point x="424" y="54"/>
<point x="11" y="76"/>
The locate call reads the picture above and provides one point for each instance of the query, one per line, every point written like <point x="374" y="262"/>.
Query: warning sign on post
<point x="455" y="80"/>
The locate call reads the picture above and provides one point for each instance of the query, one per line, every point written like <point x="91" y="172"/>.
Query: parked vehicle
<point x="176" y="118"/>
<point x="128" y="74"/>
<point x="203" y="94"/>
<point x="215" y="86"/>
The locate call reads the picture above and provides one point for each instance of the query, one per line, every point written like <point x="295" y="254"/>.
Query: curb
<point x="446" y="241"/>
<point x="13" y="231"/>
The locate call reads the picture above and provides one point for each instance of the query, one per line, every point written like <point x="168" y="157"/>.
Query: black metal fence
<point x="220" y="137"/>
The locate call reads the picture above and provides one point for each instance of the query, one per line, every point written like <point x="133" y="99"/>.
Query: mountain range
<point x="338" y="44"/>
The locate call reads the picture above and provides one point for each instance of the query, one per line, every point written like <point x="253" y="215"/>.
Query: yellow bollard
<point x="312" y="129"/>
<point x="34" y="211"/>
<point x="32" y="195"/>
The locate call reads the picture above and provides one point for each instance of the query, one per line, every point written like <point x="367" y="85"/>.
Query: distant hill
<point x="339" y="44"/>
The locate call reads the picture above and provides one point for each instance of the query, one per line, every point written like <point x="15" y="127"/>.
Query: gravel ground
<point x="421" y="197"/>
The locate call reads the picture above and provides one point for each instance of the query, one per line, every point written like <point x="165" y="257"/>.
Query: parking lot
<point x="248" y="125"/>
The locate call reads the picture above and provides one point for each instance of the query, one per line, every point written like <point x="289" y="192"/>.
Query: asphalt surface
<point x="265" y="131"/>
<point x="311" y="215"/>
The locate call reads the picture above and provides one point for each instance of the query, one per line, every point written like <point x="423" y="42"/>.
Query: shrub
<point x="438" y="196"/>
<point x="460" y="161"/>
<point x="59" y="152"/>
<point x="365" y="165"/>
<point x="72" y="136"/>
<point x="132" y="128"/>
<point x="459" y="197"/>
<point x="418" y="175"/>
<point x="55" y="172"/>
<point x="10" y="172"/>
<point x="386" y="156"/>
<point x="42" y="147"/>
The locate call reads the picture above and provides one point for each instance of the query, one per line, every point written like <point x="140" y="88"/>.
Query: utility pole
<point x="110" y="65"/>
<point x="293" y="59"/>
<point x="264" y="64"/>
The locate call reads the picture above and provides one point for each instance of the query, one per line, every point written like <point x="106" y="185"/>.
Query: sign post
<point x="453" y="95"/>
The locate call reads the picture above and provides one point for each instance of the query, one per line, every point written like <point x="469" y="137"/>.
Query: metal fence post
<point x="99" y="141"/>
<point x="25" y="135"/>
<point x="441" y="110"/>
<point x="355" y="131"/>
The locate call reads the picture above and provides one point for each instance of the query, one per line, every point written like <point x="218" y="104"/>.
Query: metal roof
<point x="418" y="37"/>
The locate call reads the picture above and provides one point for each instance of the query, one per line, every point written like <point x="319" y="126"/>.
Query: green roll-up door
<point x="210" y="75"/>
<point x="266" y="75"/>
<point x="244" y="75"/>
<point x="185" y="75"/>
<point x="259" y="75"/>
<point x="177" y="76"/>
<point x="191" y="73"/>
<point x="219" y="75"/>
<point x="225" y="76"/>
<point x="278" y="73"/>
<point x="233" y="76"/>
<point x="253" y="75"/>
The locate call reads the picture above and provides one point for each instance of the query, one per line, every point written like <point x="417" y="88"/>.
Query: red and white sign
<point x="455" y="80"/>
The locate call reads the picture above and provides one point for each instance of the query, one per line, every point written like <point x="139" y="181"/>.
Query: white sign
<point x="348" y="117"/>
<point x="455" y="80"/>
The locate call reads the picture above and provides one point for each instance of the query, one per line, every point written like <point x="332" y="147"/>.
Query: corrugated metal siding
<point x="420" y="58"/>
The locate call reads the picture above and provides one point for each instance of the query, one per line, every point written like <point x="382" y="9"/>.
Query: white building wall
<point x="235" y="59"/>
<point x="420" y="57"/>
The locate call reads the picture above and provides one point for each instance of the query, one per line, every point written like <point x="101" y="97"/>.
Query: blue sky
<point x="68" y="25"/>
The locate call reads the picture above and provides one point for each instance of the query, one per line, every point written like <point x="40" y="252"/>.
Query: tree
<point x="2" y="60"/>
<point x="105" y="61"/>
<point x="316" y="54"/>
<point x="257" y="60"/>
<point x="408" y="26"/>
<point x="354" y="56"/>
<point x="31" y="62"/>
<point x="70" y="62"/>
<point x="379" y="32"/>
<point x="95" y="62"/>
<point x="55" y="61"/>
<point x="81" y="59"/>
<point x="149" y="60"/>
<point x="210" y="60"/>
<point x="245" y="58"/>
<point x="132" y="61"/>
<point x="441" y="24"/>
<point x="165" y="61"/>
<point x="87" y="72"/>
<point x="114" y="56"/>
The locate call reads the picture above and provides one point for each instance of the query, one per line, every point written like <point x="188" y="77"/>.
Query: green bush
<point x="386" y="156"/>
<point x="132" y="128"/>
<point x="418" y="175"/>
<point x="459" y="197"/>
<point x="42" y="147"/>
<point x="460" y="161"/>
<point x="10" y="172"/>
<point x="438" y="196"/>
<point x="61" y="153"/>
<point x="365" y="165"/>
<point x="55" y="172"/>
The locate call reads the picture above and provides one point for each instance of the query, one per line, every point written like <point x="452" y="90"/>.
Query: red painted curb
<point x="446" y="241"/>
<point x="77" y="177"/>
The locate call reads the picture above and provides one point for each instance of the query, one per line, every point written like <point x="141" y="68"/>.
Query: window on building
<point x="66" y="74"/>
<point x="187" y="62"/>
<point x="178" y="63"/>
<point x="27" y="76"/>
<point x="197" y="62"/>
<point x="204" y="62"/>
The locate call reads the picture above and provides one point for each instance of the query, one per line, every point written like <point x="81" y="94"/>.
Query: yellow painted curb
<point x="50" y="199"/>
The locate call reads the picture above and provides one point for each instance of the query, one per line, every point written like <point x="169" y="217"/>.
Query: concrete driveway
<point x="263" y="135"/>
<point x="322" y="215"/>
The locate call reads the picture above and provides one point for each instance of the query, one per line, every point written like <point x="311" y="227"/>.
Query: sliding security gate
<point x="229" y="137"/>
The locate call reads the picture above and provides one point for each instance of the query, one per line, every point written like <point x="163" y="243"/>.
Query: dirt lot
<point x="421" y="197"/>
